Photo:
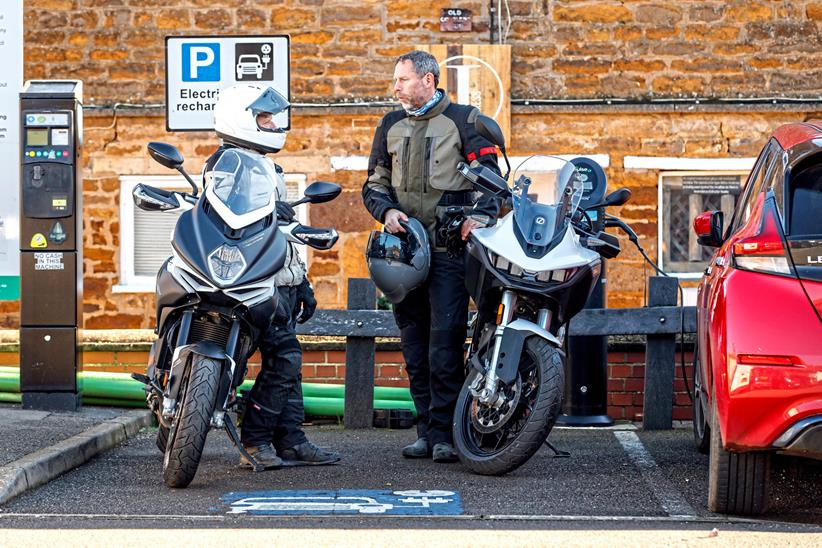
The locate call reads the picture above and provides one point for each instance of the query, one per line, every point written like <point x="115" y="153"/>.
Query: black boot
<point x="263" y="454"/>
<point x="444" y="452"/>
<point x="417" y="450"/>
<point x="307" y="454"/>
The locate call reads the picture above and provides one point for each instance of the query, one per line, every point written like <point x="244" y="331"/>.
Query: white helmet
<point x="236" y="122"/>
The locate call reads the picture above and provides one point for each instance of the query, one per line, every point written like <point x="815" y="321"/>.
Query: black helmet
<point x="399" y="263"/>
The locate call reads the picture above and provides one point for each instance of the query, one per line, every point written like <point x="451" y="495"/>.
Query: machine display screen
<point x="37" y="137"/>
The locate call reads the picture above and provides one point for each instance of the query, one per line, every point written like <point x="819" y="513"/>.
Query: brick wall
<point x="345" y="49"/>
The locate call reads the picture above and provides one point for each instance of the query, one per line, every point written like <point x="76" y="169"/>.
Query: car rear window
<point x="805" y="202"/>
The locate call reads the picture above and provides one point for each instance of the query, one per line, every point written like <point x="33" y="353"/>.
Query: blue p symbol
<point x="201" y="62"/>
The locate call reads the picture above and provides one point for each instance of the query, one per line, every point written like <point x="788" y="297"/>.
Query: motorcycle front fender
<point x="181" y="358"/>
<point x="513" y="339"/>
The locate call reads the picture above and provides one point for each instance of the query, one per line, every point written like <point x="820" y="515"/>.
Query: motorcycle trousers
<point x="432" y="321"/>
<point x="274" y="412"/>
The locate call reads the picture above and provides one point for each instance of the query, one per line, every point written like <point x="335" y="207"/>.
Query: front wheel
<point x="493" y="440"/>
<point x="187" y="435"/>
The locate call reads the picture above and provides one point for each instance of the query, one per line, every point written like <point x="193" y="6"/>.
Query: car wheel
<point x="702" y="430"/>
<point x="737" y="482"/>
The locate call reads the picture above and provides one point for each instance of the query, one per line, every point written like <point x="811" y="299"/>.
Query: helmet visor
<point x="269" y="101"/>
<point x="383" y="245"/>
<point x="266" y="107"/>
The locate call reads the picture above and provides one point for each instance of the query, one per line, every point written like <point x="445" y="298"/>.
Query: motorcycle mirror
<point x="165" y="154"/>
<point x="489" y="128"/>
<point x="616" y="198"/>
<point x="168" y="156"/>
<point x="319" y="192"/>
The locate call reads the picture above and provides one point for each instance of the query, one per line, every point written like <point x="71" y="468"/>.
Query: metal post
<point x="660" y="360"/>
<point x="359" y="360"/>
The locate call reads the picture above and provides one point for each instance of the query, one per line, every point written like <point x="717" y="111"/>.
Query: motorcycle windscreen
<point x="547" y="190"/>
<point x="242" y="187"/>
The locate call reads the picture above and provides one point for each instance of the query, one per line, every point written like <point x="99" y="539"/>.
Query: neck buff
<point x="427" y="106"/>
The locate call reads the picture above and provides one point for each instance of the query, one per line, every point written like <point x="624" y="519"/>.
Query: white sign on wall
<point x="11" y="82"/>
<point x="197" y="68"/>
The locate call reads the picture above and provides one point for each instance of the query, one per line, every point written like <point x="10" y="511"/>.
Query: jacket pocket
<point x="398" y="150"/>
<point x="445" y="154"/>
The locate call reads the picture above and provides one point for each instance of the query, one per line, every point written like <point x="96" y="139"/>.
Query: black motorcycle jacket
<point x="413" y="166"/>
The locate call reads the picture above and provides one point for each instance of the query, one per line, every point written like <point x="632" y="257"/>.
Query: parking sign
<point x="198" y="67"/>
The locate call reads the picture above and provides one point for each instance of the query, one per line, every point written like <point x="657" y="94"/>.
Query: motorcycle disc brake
<point x="490" y="418"/>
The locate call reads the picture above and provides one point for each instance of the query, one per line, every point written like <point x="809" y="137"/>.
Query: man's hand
<point x="392" y="220"/>
<point x="305" y="304"/>
<point x="284" y="210"/>
<point x="468" y="225"/>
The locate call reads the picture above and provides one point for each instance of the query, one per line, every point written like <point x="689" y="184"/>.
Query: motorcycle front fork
<point x="487" y="390"/>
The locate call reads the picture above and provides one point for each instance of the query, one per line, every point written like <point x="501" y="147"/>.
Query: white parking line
<point x="669" y="498"/>
<point x="11" y="516"/>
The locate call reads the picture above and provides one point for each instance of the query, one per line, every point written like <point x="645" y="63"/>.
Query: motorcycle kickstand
<point x="558" y="453"/>
<point x="232" y="433"/>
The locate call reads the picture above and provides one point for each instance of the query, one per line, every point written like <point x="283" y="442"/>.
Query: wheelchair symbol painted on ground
<point x="344" y="501"/>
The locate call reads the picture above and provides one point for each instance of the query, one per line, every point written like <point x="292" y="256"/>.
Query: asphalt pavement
<point x="38" y="446"/>
<point x="613" y="480"/>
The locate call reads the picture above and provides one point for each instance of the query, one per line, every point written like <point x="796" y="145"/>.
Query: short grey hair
<point x="423" y="63"/>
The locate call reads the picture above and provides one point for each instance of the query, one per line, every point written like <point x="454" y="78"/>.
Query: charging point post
<point x="586" y="374"/>
<point x="51" y="244"/>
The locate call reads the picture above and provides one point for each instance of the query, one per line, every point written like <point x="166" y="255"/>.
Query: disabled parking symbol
<point x="344" y="501"/>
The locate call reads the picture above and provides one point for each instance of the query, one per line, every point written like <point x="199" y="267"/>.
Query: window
<point x="145" y="236"/>
<point x="752" y="188"/>
<point x="683" y="196"/>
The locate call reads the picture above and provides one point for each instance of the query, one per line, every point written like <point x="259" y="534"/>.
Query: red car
<point x="758" y="375"/>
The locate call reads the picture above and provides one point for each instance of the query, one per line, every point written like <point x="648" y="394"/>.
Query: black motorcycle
<point x="215" y="295"/>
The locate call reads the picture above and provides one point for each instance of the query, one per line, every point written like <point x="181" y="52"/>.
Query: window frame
<point x="662" y="220"/>
<point x="129" y="282"/>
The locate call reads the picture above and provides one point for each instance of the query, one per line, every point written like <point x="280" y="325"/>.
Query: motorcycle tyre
<point x="187" y="438"/>
<point x="701" y="422"/>
<point x="162" y="438"/>
<point x="551" y="372"/>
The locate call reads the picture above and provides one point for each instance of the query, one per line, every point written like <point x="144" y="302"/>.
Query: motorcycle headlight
<point x="226" y="263"/>
<point x="504" y="265"/>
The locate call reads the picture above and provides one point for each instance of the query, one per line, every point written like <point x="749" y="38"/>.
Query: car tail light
<point x="765" y="251"/>
<point x="763" y="359"/>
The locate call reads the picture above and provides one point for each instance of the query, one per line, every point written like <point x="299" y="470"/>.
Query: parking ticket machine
<point x="51" y="244"/>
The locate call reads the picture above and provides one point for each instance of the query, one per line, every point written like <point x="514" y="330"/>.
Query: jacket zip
<point x="426" y="172"/>
<point x="404" y="164"/>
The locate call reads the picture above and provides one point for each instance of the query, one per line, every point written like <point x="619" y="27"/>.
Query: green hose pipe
<point x="119" y="389"/>
<point x="5" y="397"/>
